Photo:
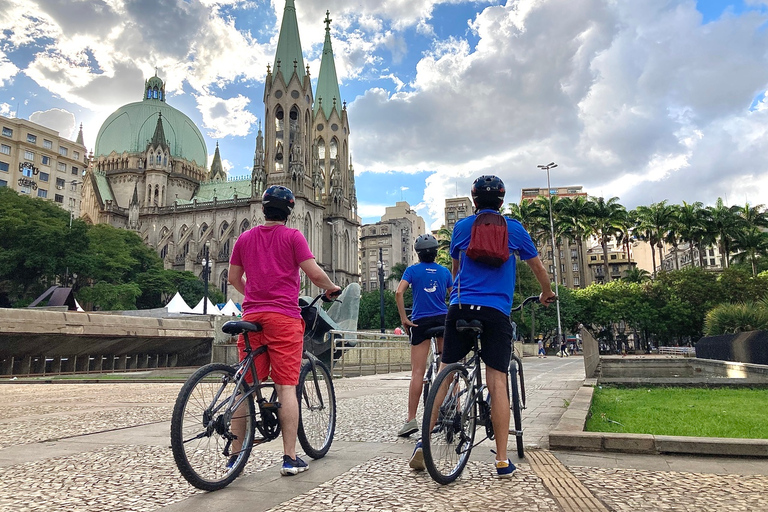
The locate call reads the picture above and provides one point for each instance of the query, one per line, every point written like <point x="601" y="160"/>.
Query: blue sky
<point x="649" y="100"/>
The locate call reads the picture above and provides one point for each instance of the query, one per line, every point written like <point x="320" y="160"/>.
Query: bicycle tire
<point x="514" y="403"/>
<point x="448" y="427"/>
<point x="199" y="436"/>
<point x="317" y="409"/>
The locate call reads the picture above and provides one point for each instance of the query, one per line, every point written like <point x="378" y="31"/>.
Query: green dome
<point x="131" y="127"/>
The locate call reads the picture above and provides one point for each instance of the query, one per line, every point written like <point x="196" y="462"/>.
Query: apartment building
<point x="456" y="208"/>
<point x="569" y="272"/>
<point x="618" y="262"/>
<point x="388" y="242"/>
<point x="37" y="161"/>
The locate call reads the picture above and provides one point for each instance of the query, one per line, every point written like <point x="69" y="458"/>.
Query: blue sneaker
<point x="505" y="469"/>
<point x="292" y="466"/>
<point x="417" y="459"/>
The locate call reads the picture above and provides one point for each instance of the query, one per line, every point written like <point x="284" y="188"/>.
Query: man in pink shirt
<point x="264" y="267"/>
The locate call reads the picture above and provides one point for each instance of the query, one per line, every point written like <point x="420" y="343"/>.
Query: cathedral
<point x="149" y="171"/>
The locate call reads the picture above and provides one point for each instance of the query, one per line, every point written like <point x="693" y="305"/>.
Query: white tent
<point x="230" y="309"/>
<point x="177" y="305"/>
<point x="212" y="309"/>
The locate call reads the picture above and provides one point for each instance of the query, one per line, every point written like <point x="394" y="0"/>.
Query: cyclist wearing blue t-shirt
<point x="484" y="292"/>
<point x="430" y="283"/>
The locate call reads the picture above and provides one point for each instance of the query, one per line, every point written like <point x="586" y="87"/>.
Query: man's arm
<point x="318" y="276"/>
<point x="401" y="287"/>
<point x="236" y="277"/>
<point x="547" y="296"/>
<point x="454" y="267"/>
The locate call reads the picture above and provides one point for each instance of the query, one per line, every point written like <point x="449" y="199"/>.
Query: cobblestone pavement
<point x="105" y="447"/>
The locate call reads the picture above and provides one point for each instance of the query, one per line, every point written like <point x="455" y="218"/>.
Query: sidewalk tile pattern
<point x="388" y="484"/>
<point x="642" y="490"/>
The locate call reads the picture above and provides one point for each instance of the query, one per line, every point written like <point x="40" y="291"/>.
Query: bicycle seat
<point x="435" y="332"/>
<point x="473" y="325"/>
<point x="237" y="327"/>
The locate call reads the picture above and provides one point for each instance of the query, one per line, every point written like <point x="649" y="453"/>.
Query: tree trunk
<point x="605" y="260"/>
<point x="653" y="259"/>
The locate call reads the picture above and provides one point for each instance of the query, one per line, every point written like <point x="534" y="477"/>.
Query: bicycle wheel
<point x="317" y="409"/>
<point x="448" y="428"/>
<point x="206" y="450"/>
<point x="514" y="404"/>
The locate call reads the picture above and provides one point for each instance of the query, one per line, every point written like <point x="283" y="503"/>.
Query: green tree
<point x="723" y="222"/>
<point x="653" y="222"/>
<point x="369" y="317"/>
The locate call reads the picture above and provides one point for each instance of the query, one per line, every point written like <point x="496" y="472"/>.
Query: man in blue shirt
<point x="484" y="292"/>
<point x="430" y="283"/>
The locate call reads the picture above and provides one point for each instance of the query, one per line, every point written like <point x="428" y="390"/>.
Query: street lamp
<point x="206" y="271"/>
<point x="380" y="266"/>
<point x="547" y="167"/>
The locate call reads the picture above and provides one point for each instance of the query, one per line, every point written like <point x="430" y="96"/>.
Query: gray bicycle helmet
<point x="425" y="242"/>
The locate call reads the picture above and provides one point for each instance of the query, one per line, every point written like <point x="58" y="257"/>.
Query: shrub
<point x="733" y="318"/>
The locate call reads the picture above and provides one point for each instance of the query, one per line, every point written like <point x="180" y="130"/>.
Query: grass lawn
<point x="674" y="411"/>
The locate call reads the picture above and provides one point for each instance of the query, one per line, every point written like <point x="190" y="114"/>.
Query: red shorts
<point x="284" y="337"/>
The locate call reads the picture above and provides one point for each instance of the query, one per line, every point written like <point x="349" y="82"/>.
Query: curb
<point x="570" y="435"/>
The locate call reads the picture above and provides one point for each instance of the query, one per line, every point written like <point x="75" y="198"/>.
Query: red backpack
<point x="489" y="241"/>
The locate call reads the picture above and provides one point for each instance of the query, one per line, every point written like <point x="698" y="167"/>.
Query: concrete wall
<point x="679" y="371"/>
<point x="34" y="341"/>
<point x="591" y="353"/>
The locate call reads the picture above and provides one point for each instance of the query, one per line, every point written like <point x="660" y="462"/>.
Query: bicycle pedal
<point x="270" y="406"/>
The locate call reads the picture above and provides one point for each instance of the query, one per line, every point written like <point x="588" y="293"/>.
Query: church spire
<point x="80" y="136"/>
<point x="327" y="96"/>
<point x="288" y="58"/>
<point x="158" y="139"/>
<point x="217" y="170"/>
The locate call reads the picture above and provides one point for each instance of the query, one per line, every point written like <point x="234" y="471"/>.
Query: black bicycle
<point x="458" y="404"/>
<point x="433" y="359"/>
<point x="217" y="413"/>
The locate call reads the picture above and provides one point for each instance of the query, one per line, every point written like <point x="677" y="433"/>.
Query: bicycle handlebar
<point x="324" y="298"/>
<point x="533" y="298"/>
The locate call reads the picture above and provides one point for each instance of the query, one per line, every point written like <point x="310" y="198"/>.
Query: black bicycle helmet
<point x="278" y="197"/>
<point x="488" y="192"/>
<point x="425" y="242"/>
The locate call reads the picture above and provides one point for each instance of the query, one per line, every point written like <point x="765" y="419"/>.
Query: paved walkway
<point x="105" y="447"/>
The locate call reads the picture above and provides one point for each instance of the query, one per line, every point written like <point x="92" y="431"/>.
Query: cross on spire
<point x="328" y="20"/>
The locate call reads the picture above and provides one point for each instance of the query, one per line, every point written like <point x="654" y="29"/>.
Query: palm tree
<point x="575" y="214"/>
<point x="690" y="221"/>
<point x="672" y="233"/>
<point x="532" y="217"/>
<point x="723" y="222"/>
<point x="749" y="245"/>
<point x="444" y="236"/>
<point x="609" y="217"/>
<point x="654" y="222"/>
<point x="636" y="275"/>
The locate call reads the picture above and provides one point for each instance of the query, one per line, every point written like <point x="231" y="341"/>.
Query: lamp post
<point x="555" y="261"/>
<point x="380" y="265"/>
<point x="206" y="270"/>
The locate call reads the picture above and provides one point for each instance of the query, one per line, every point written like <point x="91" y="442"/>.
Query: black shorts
<point x="495" y="341"/>
<point x="418" y="333"/>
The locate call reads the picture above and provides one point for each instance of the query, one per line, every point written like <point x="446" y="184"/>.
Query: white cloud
<point x="57" y="119"/>
<point x="225" y="117"/>
<point x="369" y="210"/>
<point x="6" y="110"/>
<point x="637" y="99"/>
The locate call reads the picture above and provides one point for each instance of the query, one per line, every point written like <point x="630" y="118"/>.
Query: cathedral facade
<point x="148" y="172"/>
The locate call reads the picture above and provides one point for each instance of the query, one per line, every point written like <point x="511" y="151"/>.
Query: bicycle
<point x="433" y="359"/>
<point x="208" y="453"/>
<point x="458" y="403"/>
